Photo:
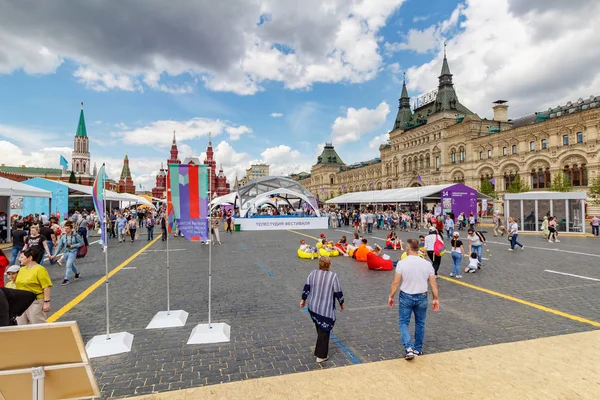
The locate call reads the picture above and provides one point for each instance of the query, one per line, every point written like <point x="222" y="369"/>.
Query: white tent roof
<point x="401" y="195"/>
<point x="12" y="188"/>
<point x="227" y="199"/>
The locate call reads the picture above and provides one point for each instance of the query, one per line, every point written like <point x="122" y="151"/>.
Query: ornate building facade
<point x="442" y="141"/>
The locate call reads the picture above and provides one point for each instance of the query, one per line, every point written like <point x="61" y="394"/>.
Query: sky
<point x="271" y="80"/>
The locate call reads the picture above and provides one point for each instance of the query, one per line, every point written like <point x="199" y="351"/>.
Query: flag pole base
<point x="215" y="333"/>
<point x="108" y="345"/>
<point x="168" y="319"/>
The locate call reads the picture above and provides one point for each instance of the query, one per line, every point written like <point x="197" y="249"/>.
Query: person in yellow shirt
<point x="34" y="278"/>
<point x="11" y="273"/>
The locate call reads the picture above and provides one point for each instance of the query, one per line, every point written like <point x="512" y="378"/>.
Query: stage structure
<point x="190" y="202"/>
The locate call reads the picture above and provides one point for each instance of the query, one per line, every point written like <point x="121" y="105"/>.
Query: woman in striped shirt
<point x="321" y="289"/>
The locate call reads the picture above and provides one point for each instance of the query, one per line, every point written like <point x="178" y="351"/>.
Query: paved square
<point x="257" y="281"/>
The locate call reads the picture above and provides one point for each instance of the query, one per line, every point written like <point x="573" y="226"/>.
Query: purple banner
<point x="459" y="198"/>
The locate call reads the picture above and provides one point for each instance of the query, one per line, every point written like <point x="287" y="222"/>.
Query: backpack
<point x="481" y="237"/>
<point x="438" y="247"/>
<point x="82" y="251"/>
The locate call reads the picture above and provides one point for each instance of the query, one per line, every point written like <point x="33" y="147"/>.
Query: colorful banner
<point x="98" y="197"/>
<point x="170" y="212"/>
<point x="189" y="199"/>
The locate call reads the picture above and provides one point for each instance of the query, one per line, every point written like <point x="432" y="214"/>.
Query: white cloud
<point x="358" y="122"/>
<point x="276" y="115"/>
<point x="420" y="41"/>
<point x="420" y="18"/>
<point x="49" y="157"/>
<point x="297" y="43"/>
<point x="29" y="137"/>
<point x="160" y="133"/>
<point x="236" y="132"/>
<point x="378" y="140"/>
<point x="521" y="57"/>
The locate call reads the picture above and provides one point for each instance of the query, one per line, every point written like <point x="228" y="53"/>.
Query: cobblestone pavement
<point x="257" y="280"/>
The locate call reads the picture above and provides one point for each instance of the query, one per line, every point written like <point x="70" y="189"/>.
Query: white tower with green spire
<point x="81" y="151"/>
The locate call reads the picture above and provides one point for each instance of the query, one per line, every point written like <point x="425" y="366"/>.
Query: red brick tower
<point x="161" y="183"/>
<point x="174" y="153"/>
<point x="126" y="183"/>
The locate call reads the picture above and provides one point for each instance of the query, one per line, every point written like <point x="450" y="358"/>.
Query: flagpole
<point x="209" y="249"/>
<point x="105" y="245"/>
<point x="167" y="223"/>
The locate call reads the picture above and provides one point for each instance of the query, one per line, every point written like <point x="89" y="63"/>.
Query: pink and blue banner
<point x="189" y="199"/>
<point x="98" y="197"/>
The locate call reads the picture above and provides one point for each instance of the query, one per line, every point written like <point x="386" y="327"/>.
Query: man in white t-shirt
<point x="412" y="275"/>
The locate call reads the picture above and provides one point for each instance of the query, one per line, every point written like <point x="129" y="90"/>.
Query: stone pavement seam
<point x="67" y="307"/>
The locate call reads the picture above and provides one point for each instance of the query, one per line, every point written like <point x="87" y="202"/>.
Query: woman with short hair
<point x="320" y="291"/>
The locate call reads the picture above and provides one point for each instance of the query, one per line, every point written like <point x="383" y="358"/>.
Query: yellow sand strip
<point x="67" y="307"/>
<point x="559" y="367"/>
<point x="507" y="297"/>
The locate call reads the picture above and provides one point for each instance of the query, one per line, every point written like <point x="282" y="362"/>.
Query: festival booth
<point x="529" y="209"/>
<point x="14" y="194"/>
<point x="277" y="192"/>
<point x="455" y="198"/>
<point x="227" y="203"/>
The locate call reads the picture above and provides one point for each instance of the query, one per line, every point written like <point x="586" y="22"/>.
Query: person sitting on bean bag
<point x="342" y="246"/>
<point x="321" y="240"/>
<point x="393" y="242"/>
<point x="307" y="249"/>
<point x="377" y="263"/>
<point x="361" y="253"/>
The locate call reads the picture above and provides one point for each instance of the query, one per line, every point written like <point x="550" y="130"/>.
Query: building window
<point x="404" y="165"/>
<point x="427" y="162"/>
<point x="565" y="140"/>
<point x="579" y="137"/>
<point x="461" y="154"/>
<point x="577" y="175"/>
<point x="331" y="180"/>
<point x="540" y="179"/>
<point x="544" y="144"/>
<point x="514" y="149"/>
<point x="489" y="154"/>
<point x="504" y="151"/>
<point x="421" y="162"/>
<point x="481" y="155"/>
<point x="437" y="162"/>
<point x="508" y="180"/>
<point x="453" y="157"/>
<point x="410" y="164"/>
<point x="531" y="146"/>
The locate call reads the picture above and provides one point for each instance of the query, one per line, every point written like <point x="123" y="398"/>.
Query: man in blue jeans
<point x="412" y="275"/>
<point x="70" y="242"/>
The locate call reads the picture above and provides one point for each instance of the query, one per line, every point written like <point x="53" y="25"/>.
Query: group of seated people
<point x="358" y="249"/>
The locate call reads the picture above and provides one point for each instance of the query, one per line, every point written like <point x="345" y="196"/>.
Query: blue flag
<point x="64" y="163"/>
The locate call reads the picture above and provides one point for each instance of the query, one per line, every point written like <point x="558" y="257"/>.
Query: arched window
<point x="410" y="164"/>
<point x="404" y="165"/>
<point x="331" y="180"/>
<point x="389" y="184"/>
<point x="509" y="178"/>
<point x="428" y="162"/>
<point x="540" y="178"/>
<point x="421" y="162"/>
<point x="461" y="154"/>
<point x="577" y="175"/>
<point x="453" y="156"/>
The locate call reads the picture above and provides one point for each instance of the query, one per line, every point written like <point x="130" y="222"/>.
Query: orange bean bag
<point x="377" y="263"/>
<point x="361" y="253"/>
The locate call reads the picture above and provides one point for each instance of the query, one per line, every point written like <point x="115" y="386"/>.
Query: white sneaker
<point x="557" y="241"/>
<point x="458" y="276"/>
<point x="451" y="274"/>
<point x="522" y="247"/>
<point x="510" y="249"/>
<point x="320" y="360"/>
<point x="549" y="241"/>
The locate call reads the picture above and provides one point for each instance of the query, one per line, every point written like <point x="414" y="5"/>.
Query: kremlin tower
<point x="218" y="183"/>
<point x="126" y="183"/>
<point x="159" y="191"/>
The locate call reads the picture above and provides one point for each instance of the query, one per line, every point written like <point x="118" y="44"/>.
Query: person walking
<point x="412" y="276"/>
<point x="430" y="248"/>
<point x="214" y="230"/>
<point x="320" y="291"/>
<point x="457" y="255"/>
<point x="595" y="225"/>
<point x="38" y="242"/>
<point x="34" y="278"/>
<point x="449" y="224"/>
<point x="229" y="222"/>
<point x="476" y="243"/>
<point x="132" y="228"/>
<point x="18" y="241"/>
<point x="82" y="229"/>
<point x="552" y="226"/>
<point x="71" y="242"/>
<point x="513" y="234"/>
<point x="121" y="225"/>
<point x="163" y="226"/>
<point x="150" y="226"/>
<point x="370" y="221"/>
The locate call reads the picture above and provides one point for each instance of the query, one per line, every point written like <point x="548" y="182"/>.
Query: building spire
<point x="174" y="142"/>
<point x="81" y="131"/>
<point x="445" y="67"/>
<point x="209" y="138"/>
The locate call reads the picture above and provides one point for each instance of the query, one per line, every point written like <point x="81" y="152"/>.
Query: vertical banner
<point x="170" y="211"/>
<point x="189" y="199"/>
<point x="98" y="197"/>
<point x="459" y="198"/>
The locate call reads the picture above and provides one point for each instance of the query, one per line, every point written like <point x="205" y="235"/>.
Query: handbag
<point x="82" y="251"/>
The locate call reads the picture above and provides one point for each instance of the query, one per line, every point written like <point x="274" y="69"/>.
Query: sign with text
<point x="274" y="224"/>
<point x="459" y="198"/>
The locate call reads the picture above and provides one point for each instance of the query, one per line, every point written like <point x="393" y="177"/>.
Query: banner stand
<point x="219" y="332"/>
<point x="169" y="318"/>
<point x="115" y="343"/>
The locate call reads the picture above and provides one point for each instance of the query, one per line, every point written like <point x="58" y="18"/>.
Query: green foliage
<point x="518" y="186"/>
<point x="594" y="196"/>
<point x="72" y="178"/>
<point x="487" y="188"/>
<point x="560" y="183"/>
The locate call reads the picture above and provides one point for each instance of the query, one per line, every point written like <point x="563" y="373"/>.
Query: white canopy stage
<point x="529" y="209"/>
<point x="286" y="189"/>
<point x="227" y="199"/>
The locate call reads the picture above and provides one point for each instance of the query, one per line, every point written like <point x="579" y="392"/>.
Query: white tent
<point x="227" y="199"/>
<point x="12" y="188"/>
<point x="400" y="195"/>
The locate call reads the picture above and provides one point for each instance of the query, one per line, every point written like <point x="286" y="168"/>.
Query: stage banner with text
<point x="275" y="224"/>
<point x="189" y="199"/>
<point x="459" y="198"/>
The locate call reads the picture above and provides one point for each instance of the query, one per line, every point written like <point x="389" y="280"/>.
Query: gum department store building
<point x="442" y="141"/>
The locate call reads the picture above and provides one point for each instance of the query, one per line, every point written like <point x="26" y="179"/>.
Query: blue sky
<point x="332" y="74"/>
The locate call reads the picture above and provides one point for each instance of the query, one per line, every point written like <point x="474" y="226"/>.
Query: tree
<point x="594" y="197"/>
<point x="561" y="183"/>
<point x="72" y="178"/>
<point x="79" y="181"/>
<point x="487" y="188"/>
<point x="518" y="185"/>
